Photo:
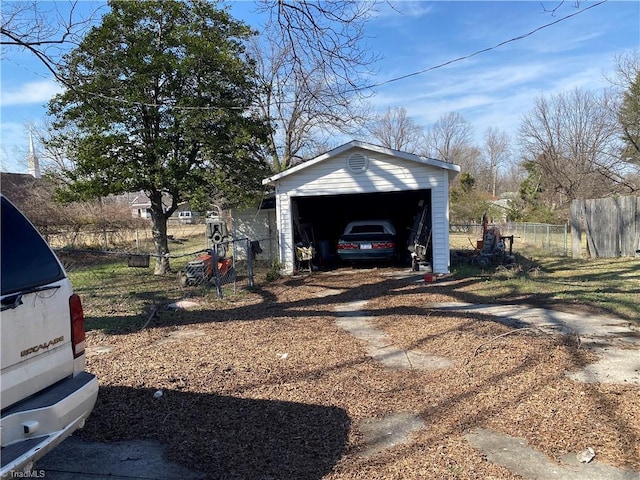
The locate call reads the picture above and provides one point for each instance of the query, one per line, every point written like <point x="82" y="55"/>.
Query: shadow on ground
<point x="234" y="437"/>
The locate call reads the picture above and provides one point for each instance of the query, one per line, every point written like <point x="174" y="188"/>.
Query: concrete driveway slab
<point x="517" y="456"/>
<point x="379" y="346"/>
<point x="77" y="459"/>
<point x="615" y="341"/>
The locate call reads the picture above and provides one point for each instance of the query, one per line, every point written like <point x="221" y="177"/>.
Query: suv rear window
<point x="25" y="258"/>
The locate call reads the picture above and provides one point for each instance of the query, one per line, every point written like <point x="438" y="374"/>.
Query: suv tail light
<point x="77" y="325"/>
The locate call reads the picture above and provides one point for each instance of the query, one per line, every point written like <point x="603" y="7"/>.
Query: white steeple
<point x="34" y="165"/>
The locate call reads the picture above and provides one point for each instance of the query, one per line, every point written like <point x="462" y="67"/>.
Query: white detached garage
<point x="360" y="181"/>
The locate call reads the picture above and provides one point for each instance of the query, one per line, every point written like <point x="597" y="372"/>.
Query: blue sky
<point x="494" y="88"/>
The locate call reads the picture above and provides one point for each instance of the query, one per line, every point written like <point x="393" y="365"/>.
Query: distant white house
<point x="141" y="206"/>
<point x="316" y="199"/>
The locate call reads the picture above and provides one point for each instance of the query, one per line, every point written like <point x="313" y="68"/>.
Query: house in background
<point x="360" y="181"/>
<point x="502" y="206"/>
<point x="141" y="206"/>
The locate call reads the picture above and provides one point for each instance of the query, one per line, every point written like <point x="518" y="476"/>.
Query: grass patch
<point x="606" y="285"/>
<point x="120" y="299"/>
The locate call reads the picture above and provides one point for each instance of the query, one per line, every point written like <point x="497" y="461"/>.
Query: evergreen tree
<point x="161" y="99"/>
<point x="629" y="118"/>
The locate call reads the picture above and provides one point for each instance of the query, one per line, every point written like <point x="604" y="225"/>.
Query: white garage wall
<point x="440" y="224"/>
<point x="386" y="172"/>
<point x="285" y="232"/>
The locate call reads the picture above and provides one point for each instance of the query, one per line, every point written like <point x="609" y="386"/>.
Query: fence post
<point x="576" y="228"/>
<point x="548" y="237"/>
<point x="105" y="240"/>
<point x="216" y="272"/>
<point x="249" y="262"/>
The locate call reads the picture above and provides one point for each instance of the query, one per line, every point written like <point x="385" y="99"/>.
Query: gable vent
<point x="357" y="162"/>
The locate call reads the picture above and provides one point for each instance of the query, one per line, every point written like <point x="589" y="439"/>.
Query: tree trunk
<point x="159" y="232"/>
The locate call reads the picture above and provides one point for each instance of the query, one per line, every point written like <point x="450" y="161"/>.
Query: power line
<point x="435" y="67"/>
<point x="367" y="87"/>
<point x="455" y="60"/>
<point x="478" y="52"/>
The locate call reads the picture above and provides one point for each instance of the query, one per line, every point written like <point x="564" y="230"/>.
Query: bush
<point x="273" y="273"/>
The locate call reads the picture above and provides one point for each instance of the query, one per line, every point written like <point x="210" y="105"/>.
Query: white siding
<point x="385" y="173"/>
<point x="257" y="225"/>
<point x="285" y="230"/>
<point x="440" y="224"/>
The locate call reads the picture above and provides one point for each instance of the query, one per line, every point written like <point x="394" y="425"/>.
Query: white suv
<point x="46" y="394"/>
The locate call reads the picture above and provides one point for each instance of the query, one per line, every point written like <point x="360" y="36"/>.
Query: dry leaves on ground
<point x="267" y="386"/>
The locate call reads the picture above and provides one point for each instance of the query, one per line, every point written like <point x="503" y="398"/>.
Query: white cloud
<point x="397" y="11"/>
<point x="493" y="89"/>
<point x="29" y="93"/>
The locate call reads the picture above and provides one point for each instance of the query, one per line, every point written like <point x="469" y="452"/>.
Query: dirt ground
<point x="268" y="386"/>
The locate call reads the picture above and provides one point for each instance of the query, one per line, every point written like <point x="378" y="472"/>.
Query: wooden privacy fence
<point x="611" y="226"/>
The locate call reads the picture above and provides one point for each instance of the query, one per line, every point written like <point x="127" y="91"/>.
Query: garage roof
<point x="366" y="146"/>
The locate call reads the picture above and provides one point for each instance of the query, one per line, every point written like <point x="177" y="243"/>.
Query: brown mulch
<point x="266" y="386"/>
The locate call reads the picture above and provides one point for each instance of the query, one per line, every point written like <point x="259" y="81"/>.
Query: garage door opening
<point x="321" y="220"/>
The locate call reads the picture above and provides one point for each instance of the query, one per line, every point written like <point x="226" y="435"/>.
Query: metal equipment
<point x="212" y="267"/>
<point x="493" y="248"/>
<point x="420" y="238"/>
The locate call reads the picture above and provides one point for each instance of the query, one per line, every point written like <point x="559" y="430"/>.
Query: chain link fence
<point x="555" y="239"/>
<point x="122" y="281"/>
<point x="119" y="281"/>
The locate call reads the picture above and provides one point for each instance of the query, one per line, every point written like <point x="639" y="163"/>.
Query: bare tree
<point x="304" y="109"/>
<point x="51" y="158"/>
<point x="451" y="139"/>
<point x="46" y="29"/>
<point x="394" y="129"/>
<point x="496" y="150"/>
<point x="511" y="177"/>
<point x="626" y="71"/>
<point x="571" y="139"/>
<point x="312" y="59"/>
<point x="327" y="35"/>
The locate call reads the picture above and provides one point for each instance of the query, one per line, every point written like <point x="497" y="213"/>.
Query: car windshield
<point x="26" y="261"/>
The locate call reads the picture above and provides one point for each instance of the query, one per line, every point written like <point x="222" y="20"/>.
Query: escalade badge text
<point x="42" y="346"/>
